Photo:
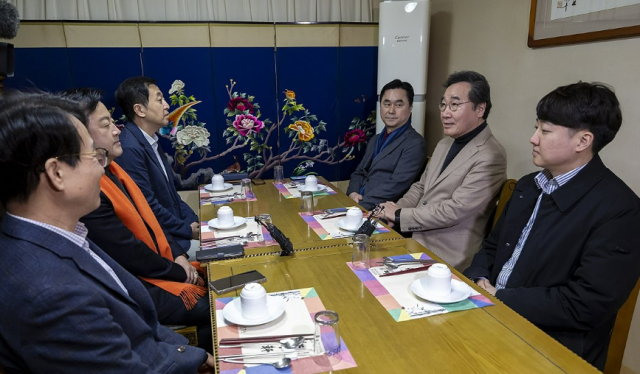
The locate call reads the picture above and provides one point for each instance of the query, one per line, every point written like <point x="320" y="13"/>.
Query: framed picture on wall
<point x="556" y="22"/>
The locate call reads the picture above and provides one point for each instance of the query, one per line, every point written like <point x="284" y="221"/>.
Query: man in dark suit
<point x="394" y="158"/>
<point x="66" y="305"/>
<point x="166" y="275"/>
<point x="143" y="159"/>
<point x="565" y="253"/>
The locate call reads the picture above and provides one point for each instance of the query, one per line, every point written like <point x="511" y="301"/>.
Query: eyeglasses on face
<point x="452" y="106"/>
<point x="100" y="154"/>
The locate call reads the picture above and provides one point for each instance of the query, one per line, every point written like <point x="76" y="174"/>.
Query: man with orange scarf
<point x="126" y="228"/>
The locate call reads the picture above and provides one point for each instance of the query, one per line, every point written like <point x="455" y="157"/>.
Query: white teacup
<point x="253" y="301"/>
<point x="225" y="216"/>
<point x="353" y="220"/>
<point x="217" y="182"/>
<point x="311" y="183"/>
<point x="438" y="280"/>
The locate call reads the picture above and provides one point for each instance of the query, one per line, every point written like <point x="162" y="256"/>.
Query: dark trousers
<point x="172" y="311"/>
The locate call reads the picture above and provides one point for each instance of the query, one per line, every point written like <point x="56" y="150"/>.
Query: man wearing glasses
<point x="449" y="208"/>
<point x="125" y="227"/>
<point x="394" y="158"/>
<point x="66" y="305"/>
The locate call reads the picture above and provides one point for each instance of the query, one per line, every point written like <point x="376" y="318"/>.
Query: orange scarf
<point x="135" y="220"/>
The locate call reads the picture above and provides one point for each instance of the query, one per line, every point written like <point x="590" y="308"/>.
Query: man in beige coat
<point x="448" y="209"/>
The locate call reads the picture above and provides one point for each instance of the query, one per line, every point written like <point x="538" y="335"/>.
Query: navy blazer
<point x="62" y="312"/>
<point x="391" y="174"/>
<point x="579" y="263"/>
<point x="140" y="162"/>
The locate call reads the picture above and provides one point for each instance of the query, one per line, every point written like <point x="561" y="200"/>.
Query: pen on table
<point x="412" y="270"/>
<point x="334" y="216"/>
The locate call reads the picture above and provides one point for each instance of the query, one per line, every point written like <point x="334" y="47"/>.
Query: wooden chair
<point x="505" y="194"/>
<point x="620" y="333"/>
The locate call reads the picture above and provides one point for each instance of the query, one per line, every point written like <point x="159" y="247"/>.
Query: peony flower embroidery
<point x="193" y="134"/>
<point x="304" y="129"/>
<point x="354" y="137"/>
<point x="247" y="124"/>
<point x="176" y="86"/>
<point x="291" y="95"/>
<point x="240" y="104"/>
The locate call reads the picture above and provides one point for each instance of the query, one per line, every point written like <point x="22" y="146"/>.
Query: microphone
<point x="9" y="20"/>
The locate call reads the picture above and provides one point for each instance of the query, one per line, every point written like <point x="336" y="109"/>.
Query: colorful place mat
<point x="300" y="307"/>
<point x="394" y="293"/>
<point x="222" y="197"/>
<point x="328" y="228"/>
<point x="207" y="232"/>
<point x="292" y="192"/>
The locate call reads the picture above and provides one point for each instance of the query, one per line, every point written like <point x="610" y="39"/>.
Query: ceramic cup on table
<point x="353" y="219"/>
<point x="438" y="280"/>
<point x="253" y="301"/>
<point x="217" y="182"/>
<point x="311" y="183"/>
<point x="225" y="216"/>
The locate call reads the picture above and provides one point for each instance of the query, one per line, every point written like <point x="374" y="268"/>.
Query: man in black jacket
<point x="126" y="246"/>
<point x="565" y="254"/>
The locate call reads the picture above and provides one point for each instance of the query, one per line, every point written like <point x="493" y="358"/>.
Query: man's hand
<point x="356" y="197"/>
<point x="208" y="366"/>
<point x="195" y="230"/>
<point x="487" y="286"/>
<point x="389" y="212"/>
<point x="192" y="273"/>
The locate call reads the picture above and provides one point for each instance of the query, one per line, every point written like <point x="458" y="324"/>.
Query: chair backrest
<point x="505" y="194"/>
<point x="620" y="333"/>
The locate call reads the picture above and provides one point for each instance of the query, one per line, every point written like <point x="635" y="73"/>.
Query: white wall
<point x="490" y="36"/>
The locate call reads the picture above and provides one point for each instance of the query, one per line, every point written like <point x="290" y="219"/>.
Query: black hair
<point x="86" y="97"/>
<point x="480" y="91"/>
<point x="34" y="127"/>
<point x="395" y="84"/>
<point x="132" y="91"/>
<point x="583" y="106"/>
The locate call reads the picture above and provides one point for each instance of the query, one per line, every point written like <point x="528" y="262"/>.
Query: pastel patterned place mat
<point x="208" y="197"/>
<point x="291" y="192"/>
<point x="394" y="293"/>
<point x="207" y="232"/>
<point x="328" y="228"/>
<point x="300" y="307"/>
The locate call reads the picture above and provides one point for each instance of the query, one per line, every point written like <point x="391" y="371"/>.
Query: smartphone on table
<point x="236" y="281"/>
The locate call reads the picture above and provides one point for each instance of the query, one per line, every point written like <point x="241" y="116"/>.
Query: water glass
<point x="361" y="252"/>
<point x="246" y="190"/>
<point x="327" y="331"/>
<point x="278" y="174"/>
<point x="266" y="218"/>
<point x="306" y="198"/>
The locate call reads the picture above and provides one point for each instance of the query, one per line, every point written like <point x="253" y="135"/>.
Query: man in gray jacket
<point x="394" y="158"/>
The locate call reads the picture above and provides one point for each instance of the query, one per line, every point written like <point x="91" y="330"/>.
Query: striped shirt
<point x="545" y="181"/>
<point x="79" y="238"/>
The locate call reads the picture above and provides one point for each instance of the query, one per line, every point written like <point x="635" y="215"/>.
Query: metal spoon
<point x="288" y="343"/>
<point x="280" y="364"/>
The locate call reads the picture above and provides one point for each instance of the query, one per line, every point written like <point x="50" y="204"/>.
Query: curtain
<point x="200" y="10"/>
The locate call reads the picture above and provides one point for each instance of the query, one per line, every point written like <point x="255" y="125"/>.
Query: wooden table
<point x="487" y="340"/>
<point x="284" y="214"/>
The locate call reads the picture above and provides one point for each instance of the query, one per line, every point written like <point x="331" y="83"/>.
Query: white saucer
<point x="237" y="221"/>
<point x="320" y="187"/>
<point x="342" y="226"/>
<point x="232" y="312"/>
<point x="459" y="292"/>
<point x="227" y="186"/>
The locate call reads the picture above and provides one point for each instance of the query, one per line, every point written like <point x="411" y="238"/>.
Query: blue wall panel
<point x="104" y="68"/>
<point x="334" y="83"/>
<point x="357" y="94"/>
<point x="312" y="72"/>
<point x="45" y="68"/>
